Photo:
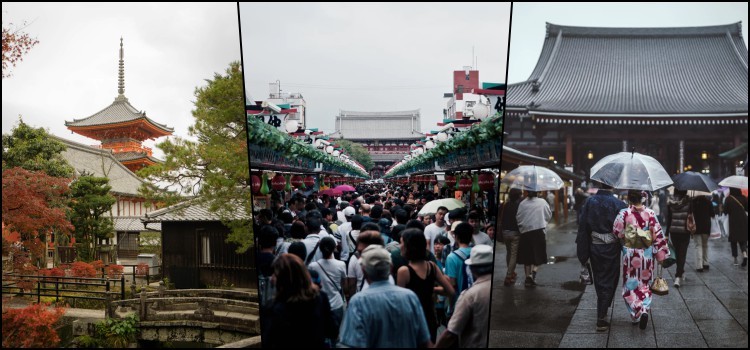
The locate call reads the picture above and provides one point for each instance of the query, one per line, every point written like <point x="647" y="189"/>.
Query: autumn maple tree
<point x="31" y="327"/>
<point x="34" y="204"/>
<point x="16" y="44"/>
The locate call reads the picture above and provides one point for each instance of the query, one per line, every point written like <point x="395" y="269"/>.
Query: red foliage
<point x="82" y="269"/>
<point x="141" y="269"/>
<point x="98" y="265"/>
<point x="33" y="204"/>
<point x="53" y="272"/>
<point x="31" y="327"/>
<point x="114" y="271"/>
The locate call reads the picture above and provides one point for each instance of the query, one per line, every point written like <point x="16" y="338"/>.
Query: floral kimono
<point x="638" y="264"/>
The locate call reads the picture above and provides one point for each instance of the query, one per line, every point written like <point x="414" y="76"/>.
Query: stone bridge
<point x="211" y="316"/>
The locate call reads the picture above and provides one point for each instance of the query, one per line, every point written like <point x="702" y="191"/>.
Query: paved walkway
<point x="69" y="312"/>
<point x="709" y="310"/>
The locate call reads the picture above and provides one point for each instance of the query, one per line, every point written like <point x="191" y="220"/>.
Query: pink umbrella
<point x="346" y="188"/>
<point x="332" y="192"/>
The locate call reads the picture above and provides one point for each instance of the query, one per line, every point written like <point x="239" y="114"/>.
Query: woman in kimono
<point x="638" y="262"/>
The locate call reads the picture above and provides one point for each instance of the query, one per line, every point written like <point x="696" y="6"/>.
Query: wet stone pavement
<point x="708" y="310"/>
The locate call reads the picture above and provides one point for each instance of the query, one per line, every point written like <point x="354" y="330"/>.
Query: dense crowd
<point x="366" y="269"/>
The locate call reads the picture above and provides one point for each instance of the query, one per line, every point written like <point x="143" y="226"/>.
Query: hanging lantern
<point x="264" y="184"/>
<point x="464" y="185"/>
<point x="278" y="182"/>
<point x="297" y="181"/>
<point x="450" y="180"/>
<point x="475" y="183"/>
<point x="309" y="181"/>
<point x="255" y="183"/>
<point x="288" y="183"/>
<point x="486" y="181"/>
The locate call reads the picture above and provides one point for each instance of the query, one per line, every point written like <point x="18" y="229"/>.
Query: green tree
<point x="90" y="204"/>
<point x="35" y="150"/>
<point x="357" y="152"/>
<point x="214" y="168"/>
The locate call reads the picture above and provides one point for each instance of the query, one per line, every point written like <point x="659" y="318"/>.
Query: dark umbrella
<point x="691" y="180"/>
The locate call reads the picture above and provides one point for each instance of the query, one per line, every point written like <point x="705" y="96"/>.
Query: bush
<point x="82" y="269"/>
<point x="98" y="265"/>
<point x="114" y="271"/>
<point x="32" y="326"/>
<point x="117" y="333"/>
<point x="141" y="269"/>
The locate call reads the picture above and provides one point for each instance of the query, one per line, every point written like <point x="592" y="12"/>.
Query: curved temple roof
<point x="640" y="72"/>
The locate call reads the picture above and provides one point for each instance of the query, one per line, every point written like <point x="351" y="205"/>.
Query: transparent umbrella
<point x="735" y="181"/>
<point x="631" y="171"/>
<point x="533" y="178"/>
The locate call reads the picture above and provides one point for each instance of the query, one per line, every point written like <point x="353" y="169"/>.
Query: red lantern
<point x="464" y="185"/>
<point x="297" y="181"/>
<point x="309" y="182"/>
<point x="486" y="181"/>
<point x="278" y="182"/>
<point x="255" y="184"/>
<point x="450" y="180"/>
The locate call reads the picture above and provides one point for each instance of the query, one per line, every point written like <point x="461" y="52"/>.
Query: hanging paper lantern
<point x="255" y="183"/>
<point x="278" y="182"/>
<point x="464" y="185"/>
<point x="309" y="181"/>
<point x="450" y="180"/>
<point x="297" y="181"/>
<point x="486" y="181"/>
<point x="288" y="185"/>
<point x="264" y="184"/>
<point x="475" y="183"/>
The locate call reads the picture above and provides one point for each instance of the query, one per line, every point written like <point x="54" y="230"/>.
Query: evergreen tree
<point x="90" y="204"/>
<point x="214" y="168"/>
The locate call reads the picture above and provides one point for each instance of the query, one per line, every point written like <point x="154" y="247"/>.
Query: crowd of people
<point x="624" y="238"/>
<point x="366" y="269"/>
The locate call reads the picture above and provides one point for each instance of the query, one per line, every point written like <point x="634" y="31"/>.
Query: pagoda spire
<point x="121" y="75"/>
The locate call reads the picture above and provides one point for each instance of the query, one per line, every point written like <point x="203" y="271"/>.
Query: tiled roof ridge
<point x="733" y="28"/>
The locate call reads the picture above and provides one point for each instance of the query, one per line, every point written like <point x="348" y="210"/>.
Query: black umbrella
<point x="691" y="180"/>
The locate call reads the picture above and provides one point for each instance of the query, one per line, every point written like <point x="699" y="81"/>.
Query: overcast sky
<point x="72" y="73"/>
<point x="371" y="57"/>
<point x="527" y="34"/>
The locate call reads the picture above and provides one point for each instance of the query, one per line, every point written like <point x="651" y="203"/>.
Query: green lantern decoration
<point x="458" y="180"/>
<point x="302" y="185"/>
<point x="475" y="184"/>
<point x="288" y="186"/>
<point x="264" y="184"/>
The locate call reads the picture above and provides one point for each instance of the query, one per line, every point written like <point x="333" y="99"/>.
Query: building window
<point x="205" y="250"/>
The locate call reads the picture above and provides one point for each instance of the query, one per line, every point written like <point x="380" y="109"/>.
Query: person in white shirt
<point x="437" y="228"/>
<point x="331" y="272"/>
<point x="532" y="216"/>
<point x="344" y="229"/>
<point x="312" y="241"/>
<point x="478" y="237"/>
<point x="356" y="280"/>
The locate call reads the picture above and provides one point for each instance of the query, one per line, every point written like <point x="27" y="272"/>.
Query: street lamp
<point x="590" y="156"/>
<point x="704" y="155"/>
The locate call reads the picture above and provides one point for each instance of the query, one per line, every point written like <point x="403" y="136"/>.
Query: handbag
<point x="637" y="238"/>
<point x="672" y="259"/>
<point x="715" y="230"/>
<point x="660" y="286"/>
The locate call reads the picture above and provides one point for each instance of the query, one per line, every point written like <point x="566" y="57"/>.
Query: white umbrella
<point x="533" y="178"/>
<point x="735" y="181"/>
<point x="631" y="171"/>
<point x="431" y="207"/>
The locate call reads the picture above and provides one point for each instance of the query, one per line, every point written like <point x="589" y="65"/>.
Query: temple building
<point x="677" y="94"/>
<point x="386" y="135"/>
<point x="122" y="128"/>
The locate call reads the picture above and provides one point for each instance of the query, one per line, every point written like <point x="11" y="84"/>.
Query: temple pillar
<point x="569" y="149"/>
<point x="681" y="157"/>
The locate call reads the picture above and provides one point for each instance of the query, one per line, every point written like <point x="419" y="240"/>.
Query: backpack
<point x="468" y="279"/>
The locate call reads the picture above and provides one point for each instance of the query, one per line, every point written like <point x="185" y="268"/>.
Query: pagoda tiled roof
<point x="120" y="111"/>
<point x="639" y="72"/>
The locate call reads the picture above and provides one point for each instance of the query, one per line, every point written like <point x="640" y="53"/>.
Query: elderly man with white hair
<point x="384" y="315"/>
